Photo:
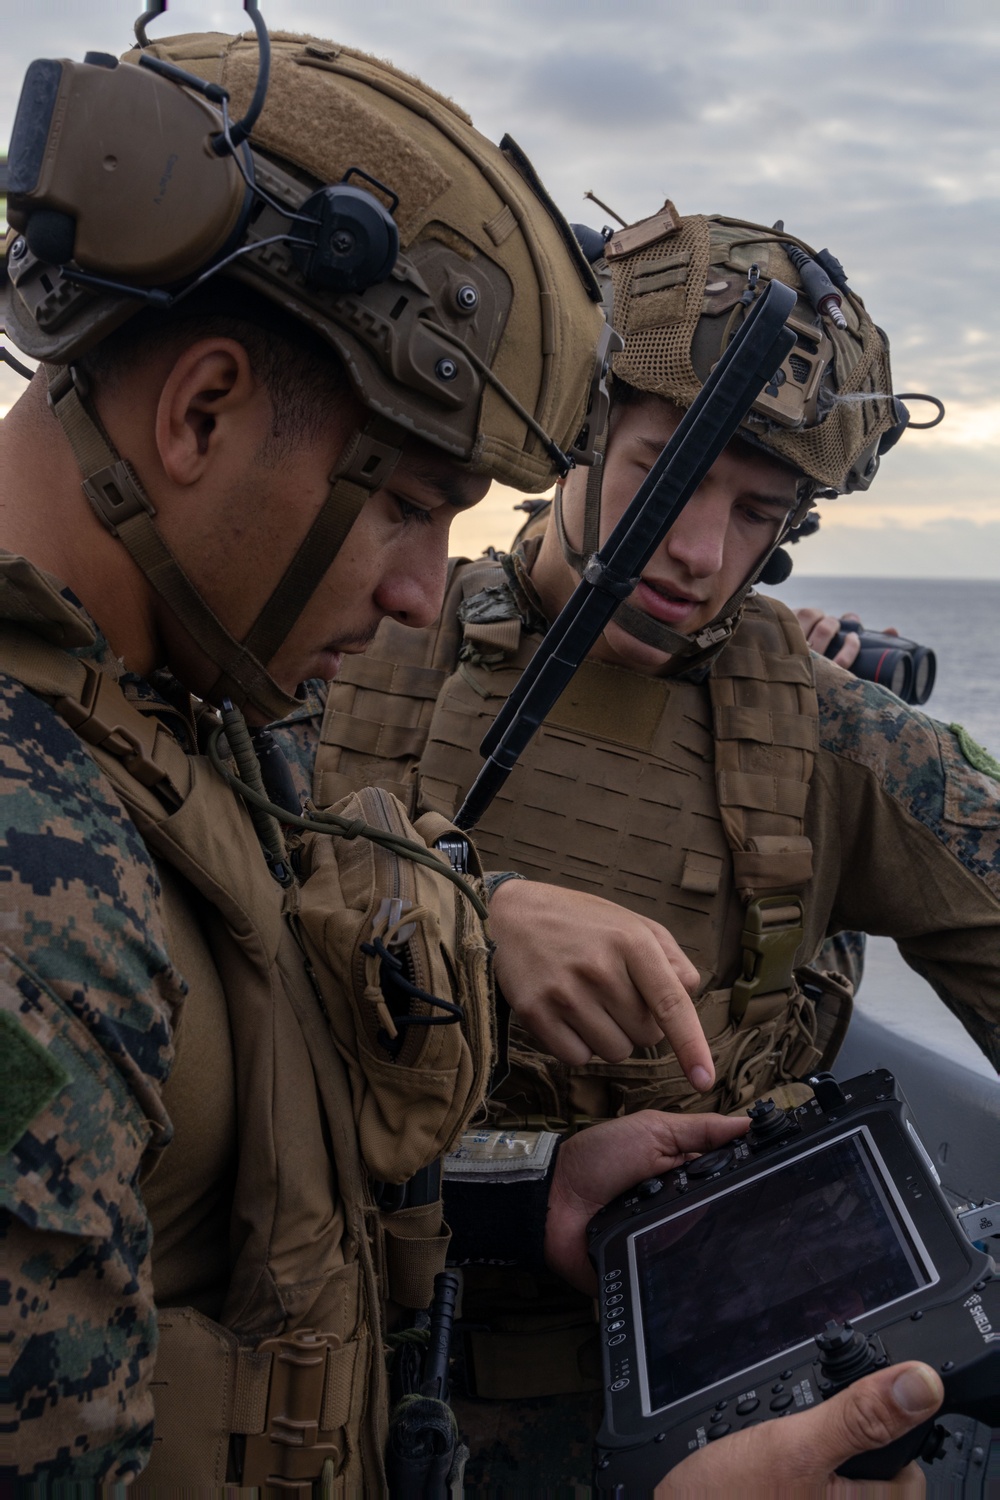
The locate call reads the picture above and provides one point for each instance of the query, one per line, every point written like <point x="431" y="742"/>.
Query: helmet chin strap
<point x="692" y="650"/>
<point x="122" y="505"/>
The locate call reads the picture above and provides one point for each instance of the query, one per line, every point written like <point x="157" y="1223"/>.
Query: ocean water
<point x="958" y="618"/>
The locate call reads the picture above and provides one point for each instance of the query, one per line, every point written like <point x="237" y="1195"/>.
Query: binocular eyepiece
<point x="904" y="667"/>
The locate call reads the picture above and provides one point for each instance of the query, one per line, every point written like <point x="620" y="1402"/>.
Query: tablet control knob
<point x="767" y="1122"/>
<point x="845" y="1354"/>
<point x="712" y="1161"/>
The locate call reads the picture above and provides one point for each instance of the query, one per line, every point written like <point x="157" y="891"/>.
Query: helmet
<point x="680" y="288"/>
<point x="359" y="202"/>
<point x="676" y="290"/>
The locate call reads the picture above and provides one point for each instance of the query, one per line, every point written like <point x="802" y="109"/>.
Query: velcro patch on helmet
<point x="637" y="236"/>
<point x="324" y="124"/>
<point x="658" y="294"/>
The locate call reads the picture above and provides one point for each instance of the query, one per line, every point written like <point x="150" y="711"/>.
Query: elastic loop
<point x="921" y="396"/>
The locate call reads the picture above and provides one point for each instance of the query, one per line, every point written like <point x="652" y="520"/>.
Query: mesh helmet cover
<point x="670" y="298"/>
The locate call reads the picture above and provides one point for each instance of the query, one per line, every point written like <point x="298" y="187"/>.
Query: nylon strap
<point x="365" y="466"/>
<point x="345" y="1371"/>
<point x="385" y="741"/>
<point x="592" y="511"/>
<point x="754" y="665"/>
<point x="122" y="505"/>
<point x="765" y="718"/>
<point x="402" y="678"/>
<point x="634" y="621"/>
<point x="250" y="1387"/>
<point x="765" y="725"/>
<point x="115" y="492"/>
<point x="577" y="560"/>
<point x="654" y="633"/>
<point x="246" y="679"/>
<point x="411" y="1265"/>
<point x="91" y="445"/>
<point x="254" y="1370"/>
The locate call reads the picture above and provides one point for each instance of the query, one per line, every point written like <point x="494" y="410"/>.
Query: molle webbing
<point x="383" y="725"/>
<point x="766" y="716"/>
<point x="379" y="708"/>
<point x="616" y="795"/>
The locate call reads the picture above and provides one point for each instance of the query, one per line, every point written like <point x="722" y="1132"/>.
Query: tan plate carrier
<point x="684" y="804"/>
<point x="295" y="1365"/>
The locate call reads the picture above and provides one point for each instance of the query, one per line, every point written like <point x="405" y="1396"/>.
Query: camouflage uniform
<point x="90" y="997"/>
<point x="89" y="1007"/>
<point x="904" y="828"/>
<point x="905" y="834"/>
<point x="450" y="346"/>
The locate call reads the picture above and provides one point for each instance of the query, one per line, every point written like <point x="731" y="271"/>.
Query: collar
<point x="30" y="596"/>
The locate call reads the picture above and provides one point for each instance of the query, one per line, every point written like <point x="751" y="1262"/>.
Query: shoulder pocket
<point x="971" y="797"/>
<point x="79" y="1151"/>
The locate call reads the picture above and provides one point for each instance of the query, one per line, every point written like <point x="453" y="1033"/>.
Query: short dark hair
<point x="302" y="373"/>
<point x="623" y="394"/>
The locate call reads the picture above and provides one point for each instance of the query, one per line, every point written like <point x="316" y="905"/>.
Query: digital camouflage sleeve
<point x="906" y="831"/>
<point x="299" y="736"/>
<point x="87" y="997"/>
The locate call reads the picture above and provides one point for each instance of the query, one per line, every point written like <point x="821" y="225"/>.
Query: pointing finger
<point x="661" y="988"/>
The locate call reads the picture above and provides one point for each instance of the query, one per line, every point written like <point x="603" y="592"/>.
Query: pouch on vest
<point x="402" y="964"/>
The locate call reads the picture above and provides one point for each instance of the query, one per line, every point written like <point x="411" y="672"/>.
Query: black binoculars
<point x="906" y="669"/>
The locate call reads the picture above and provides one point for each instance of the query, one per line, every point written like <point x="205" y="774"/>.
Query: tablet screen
<point x="764" y="1266"/>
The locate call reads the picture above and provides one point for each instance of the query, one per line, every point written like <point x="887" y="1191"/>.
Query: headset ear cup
<point x="777" y="568"/>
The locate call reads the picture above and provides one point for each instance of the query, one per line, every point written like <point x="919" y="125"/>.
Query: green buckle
<point x="771" y="936"/>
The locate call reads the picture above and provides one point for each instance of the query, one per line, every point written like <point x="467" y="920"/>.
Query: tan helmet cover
<point x="676" y="285"/>
<point x="486" y="339"/>
<point x="470" y="214"/>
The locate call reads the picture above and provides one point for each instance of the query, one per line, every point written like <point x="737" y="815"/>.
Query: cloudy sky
<point x="869" y="128"/>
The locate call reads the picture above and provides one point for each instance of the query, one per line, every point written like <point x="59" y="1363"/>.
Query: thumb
<point x="798" y="1455"/>
<point x="869" y="1414"/>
